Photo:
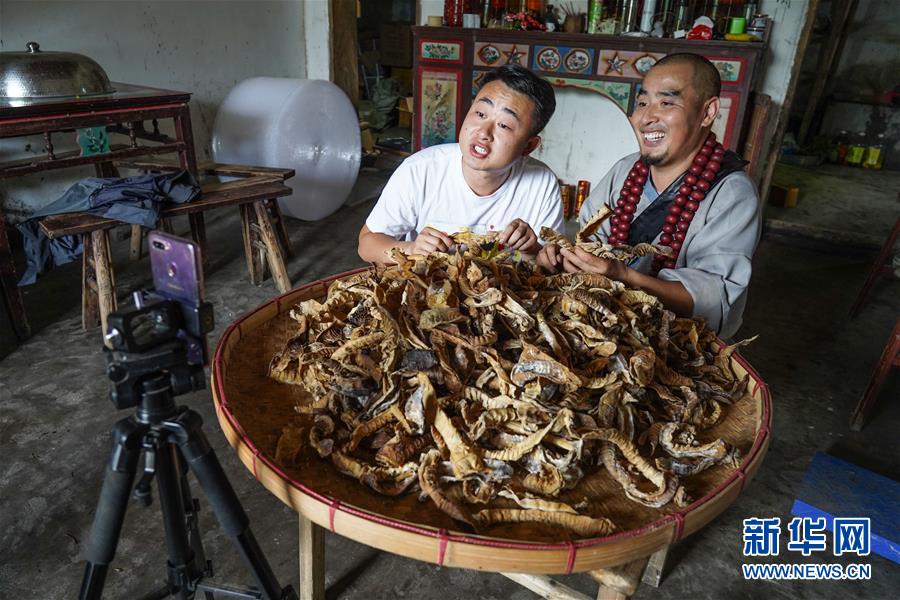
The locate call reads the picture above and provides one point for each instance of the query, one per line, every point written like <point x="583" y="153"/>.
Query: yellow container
<point x="784" y="195"/>
<point x="405" y="108"/>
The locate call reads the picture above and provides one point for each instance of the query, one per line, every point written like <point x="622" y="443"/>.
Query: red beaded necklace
<point x="692" y="191"/>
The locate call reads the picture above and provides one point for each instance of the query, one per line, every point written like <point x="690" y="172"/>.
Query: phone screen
<point x="177" y="267"/>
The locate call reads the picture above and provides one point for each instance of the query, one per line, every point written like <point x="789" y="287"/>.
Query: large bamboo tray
<point x="252" y="409"/>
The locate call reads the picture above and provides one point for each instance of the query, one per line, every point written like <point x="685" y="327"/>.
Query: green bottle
<point x="857" y="150"/>
<point x="595" y="15"/>
<point x="875" y="154"/>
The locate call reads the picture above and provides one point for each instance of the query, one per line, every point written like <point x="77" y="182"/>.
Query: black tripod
<point x="172" y="441"/>
<point x="171" y="438"/>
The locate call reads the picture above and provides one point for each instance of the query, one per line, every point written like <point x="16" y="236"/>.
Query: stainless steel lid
<point x="38" y="74"/>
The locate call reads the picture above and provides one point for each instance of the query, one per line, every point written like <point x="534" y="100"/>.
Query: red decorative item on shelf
<point x="696" y="184"/>
<point x="453" y="12"/>
<point x="523" y="21"/>
<point x="702" y="29"/>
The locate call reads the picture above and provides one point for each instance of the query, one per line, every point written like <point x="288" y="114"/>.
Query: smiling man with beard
<point x="682" y="190"/>
<point x="486" y="182"/>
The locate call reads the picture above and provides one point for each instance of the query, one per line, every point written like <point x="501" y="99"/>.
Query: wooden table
<point x="124" y="112"/>
<point x="252" y="408"/>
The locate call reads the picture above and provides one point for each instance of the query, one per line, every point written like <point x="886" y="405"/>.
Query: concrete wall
<point x="203" y="47"/>
<point x="870" y="59"/>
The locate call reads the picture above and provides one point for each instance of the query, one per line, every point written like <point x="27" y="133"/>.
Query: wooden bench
<point x="263" y="230"/>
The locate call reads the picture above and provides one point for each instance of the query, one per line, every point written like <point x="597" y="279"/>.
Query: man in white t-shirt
<point x="485" y="182"/>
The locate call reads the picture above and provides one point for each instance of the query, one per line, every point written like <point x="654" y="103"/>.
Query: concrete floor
<point x="56" y="417"/>
<point x="837" y="203"/>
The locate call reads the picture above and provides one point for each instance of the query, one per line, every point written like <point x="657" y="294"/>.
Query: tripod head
<point x="161" y="336"/>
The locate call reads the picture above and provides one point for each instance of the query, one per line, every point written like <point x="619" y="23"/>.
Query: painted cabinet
<point x="450" y="62"/>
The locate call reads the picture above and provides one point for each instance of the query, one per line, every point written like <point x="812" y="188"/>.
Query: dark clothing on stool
<point x="136" y="200"/>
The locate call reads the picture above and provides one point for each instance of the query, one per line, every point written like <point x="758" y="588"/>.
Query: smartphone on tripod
<point x="177" y="267"/>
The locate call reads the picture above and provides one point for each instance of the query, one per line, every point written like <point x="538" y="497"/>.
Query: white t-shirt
<point x="428" y="190"/>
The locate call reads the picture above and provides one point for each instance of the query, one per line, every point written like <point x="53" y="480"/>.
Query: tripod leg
<point x="203" y="462"/>
<point x="192" y="515"/>
<point x="101" y="546"/>
<point x="183" y="569"/>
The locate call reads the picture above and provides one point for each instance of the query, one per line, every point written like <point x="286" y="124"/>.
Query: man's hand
<point x="429" y="240"/>
<point x="550" y="259"/>
<point x="577" y="260"/>
<point x="518" y="235"/>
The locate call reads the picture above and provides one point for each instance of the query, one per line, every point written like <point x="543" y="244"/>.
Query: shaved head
<point x="706" y="80"/>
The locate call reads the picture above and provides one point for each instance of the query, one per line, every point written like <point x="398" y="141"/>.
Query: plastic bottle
<point x="842" y="144"/>
<point x="595" y="15"/>
<point x="682" y="17"/>
<point x="453" y="12"/>
<point x="857" y="150"/>
<point x="749" y="11"/>
<point x="875" y="154"/>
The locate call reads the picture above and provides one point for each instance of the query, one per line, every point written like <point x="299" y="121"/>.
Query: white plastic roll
<point x="306" y="125"/>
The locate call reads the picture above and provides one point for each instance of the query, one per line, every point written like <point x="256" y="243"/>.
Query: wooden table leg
<point x="90" y="309"/>
<point x="273" y="249"/>
<point x="889" y="359"/>
<point x="656" y="567"/>
<point x="879" y="267"/>
<point x="280" y="227"/>
<point x="545" y="587"/>
<point x="312" y="560"/>
<point x="619" y="583"/>
<point x="248" y="233"/>
<point x="137" y="242"/>
<point x="106" y="284"/>
<point x="608" y="593"/>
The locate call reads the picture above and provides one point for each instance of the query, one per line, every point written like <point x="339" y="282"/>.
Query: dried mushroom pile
<point x="492" y="389"/>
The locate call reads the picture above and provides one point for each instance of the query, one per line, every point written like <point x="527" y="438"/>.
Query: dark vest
<point x="649" y="223"/>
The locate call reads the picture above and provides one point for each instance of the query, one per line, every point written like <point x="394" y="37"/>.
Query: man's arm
<point x="673" y="294"/>
<point x="373" y="246"/>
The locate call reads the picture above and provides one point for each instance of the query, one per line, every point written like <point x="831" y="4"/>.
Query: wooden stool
<point x="197" y="225"/>
<point x="254" y="195"/>
<point x="882" y="265"/>
<point x="615" y="583"/>
<point x="889" y="358"/>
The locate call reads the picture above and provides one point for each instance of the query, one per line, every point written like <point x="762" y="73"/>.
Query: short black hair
<point x="538" y="90"/>
<point x="707" y="81"/>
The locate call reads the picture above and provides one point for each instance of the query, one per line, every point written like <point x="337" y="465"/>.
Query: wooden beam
<point x="783" y="113"/>
<point x="656" y="567"/>
<point x="841" y="11"/>
<point x="762" y="107"/>
<point x="343" y="48"/>
<point x="623" y="579"/>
